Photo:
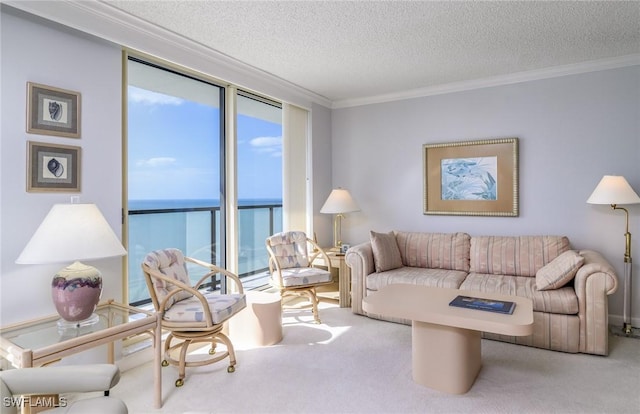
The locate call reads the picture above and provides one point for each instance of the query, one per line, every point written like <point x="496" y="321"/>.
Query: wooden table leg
<point x="344" y="284"/>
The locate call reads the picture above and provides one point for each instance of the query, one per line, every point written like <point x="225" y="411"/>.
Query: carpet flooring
<point x="353" y="364"/>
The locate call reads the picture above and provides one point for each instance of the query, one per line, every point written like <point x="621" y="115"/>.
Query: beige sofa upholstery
<point x="571" y="317"/>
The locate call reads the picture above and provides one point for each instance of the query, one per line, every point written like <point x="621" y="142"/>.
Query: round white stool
<point x="260" y="323"/>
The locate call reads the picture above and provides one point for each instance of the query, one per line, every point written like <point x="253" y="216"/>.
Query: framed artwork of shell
<point x="53" y="168"/>
<point x="52" y="111"/>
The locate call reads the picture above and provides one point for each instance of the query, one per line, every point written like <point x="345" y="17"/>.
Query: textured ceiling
<point x="356" y="49"/>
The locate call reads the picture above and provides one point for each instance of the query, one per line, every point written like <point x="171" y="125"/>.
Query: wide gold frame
<point x="506" y="151"/>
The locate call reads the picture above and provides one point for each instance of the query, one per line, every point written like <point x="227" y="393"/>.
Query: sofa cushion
<point x="435" y="250"/>
<point x="416" y="276"/>
<point x="562" y="301"/>
<point x="386" y="255"/>
<point x="559" y="271"/>
<point x="516" y="256"/>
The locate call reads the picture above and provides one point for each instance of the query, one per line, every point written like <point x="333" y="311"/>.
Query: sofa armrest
<point x="61" y="379"/>
<point x="595" y="280"/>
<point x="360" y="259"/>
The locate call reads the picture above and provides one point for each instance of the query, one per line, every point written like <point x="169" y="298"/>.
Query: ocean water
<point x="191" y="231"/>
<point x="196" y="203"/>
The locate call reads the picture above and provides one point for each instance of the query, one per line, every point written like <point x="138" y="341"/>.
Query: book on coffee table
<point x="491" y="305"/>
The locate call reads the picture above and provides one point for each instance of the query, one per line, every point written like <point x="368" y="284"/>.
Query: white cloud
<point x="268" y="145"/>
<point x="266" y="142"/>
<point x="145" y="97"/>
<point x="156" y="162"/>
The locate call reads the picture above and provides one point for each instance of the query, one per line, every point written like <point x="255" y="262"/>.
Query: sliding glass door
<point x="259" y="182"/>
<point x="175" y="147"/>
<point x="176" y="173"/>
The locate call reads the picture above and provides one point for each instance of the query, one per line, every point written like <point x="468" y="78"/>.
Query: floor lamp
<point x="338" y="203"/>
<point x="614" y="190"/>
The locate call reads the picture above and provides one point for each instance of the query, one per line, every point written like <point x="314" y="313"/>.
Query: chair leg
<point x="182" y="366"/>
<point x="186" y="340"/>
<point x="230" y="350"/>
<point x="308" y="293"/>
<point x="313" y="298"/>
<point x="314" y="302"/>
<point x="167" y="350"/>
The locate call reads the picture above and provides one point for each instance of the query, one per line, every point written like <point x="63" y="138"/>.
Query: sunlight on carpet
<point x="354" y="364"/>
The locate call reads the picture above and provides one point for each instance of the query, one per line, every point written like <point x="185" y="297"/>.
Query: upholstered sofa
<point x="568" y="288"/>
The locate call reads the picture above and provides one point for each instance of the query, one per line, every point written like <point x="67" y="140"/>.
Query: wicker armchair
<point x="291" y="266"/>
<point x="190" y="316"/>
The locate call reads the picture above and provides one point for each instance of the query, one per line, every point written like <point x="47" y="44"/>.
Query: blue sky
<point x="174" y="150"/>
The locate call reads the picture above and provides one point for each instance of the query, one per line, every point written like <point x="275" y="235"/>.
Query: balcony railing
<point x="197" y="231"/>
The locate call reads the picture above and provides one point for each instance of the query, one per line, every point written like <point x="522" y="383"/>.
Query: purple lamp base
<point x="76" y="291"/>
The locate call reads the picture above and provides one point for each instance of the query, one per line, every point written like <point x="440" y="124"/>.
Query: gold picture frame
<point x="53" y="168"/>
<point x="52" y="111"/>
<point x="472" y="178"/>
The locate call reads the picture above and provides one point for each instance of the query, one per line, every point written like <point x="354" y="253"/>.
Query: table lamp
<point x="70" y="233"/>
<point x="338" y="203"/>
<point x="616" y="190"/>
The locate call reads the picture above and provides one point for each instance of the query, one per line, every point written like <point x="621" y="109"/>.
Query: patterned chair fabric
<point x="290" y="248"/>
<point x="191" y="316"/>
<point x="291" y="266"/>
<point x="222" y="307"/>
<point x="171" y="263"/>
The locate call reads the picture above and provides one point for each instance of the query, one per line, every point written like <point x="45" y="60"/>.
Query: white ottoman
<point x="260" y="323"/>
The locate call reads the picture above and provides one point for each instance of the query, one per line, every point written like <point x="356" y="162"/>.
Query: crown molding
<point x="109" y="23"/>
<point x="552" y="72"/>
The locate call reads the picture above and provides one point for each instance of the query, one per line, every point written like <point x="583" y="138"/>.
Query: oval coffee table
<point x="446" y="348"/>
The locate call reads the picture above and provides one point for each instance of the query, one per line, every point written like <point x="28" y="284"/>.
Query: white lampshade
<point x="72" y="232"/>
<point x="613" y="189"/>
<point x="338" y="202"/>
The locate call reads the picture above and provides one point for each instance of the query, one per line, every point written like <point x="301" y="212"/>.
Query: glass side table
<point x="40" y="342"/>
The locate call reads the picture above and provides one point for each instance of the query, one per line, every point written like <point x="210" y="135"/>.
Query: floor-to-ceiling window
<point x="174" y="168"/>
<point x="176" y="172"/>
<point x="259" y="181"/>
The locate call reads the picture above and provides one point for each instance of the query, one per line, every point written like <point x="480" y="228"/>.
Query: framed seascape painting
<point x="52" y="111"/>
<point x="53" y="168"/>
<point x="471" y="178"/>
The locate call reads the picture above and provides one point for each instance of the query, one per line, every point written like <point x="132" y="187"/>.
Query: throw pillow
<point x="559" y="271"/>
<point x="386" y="254"/>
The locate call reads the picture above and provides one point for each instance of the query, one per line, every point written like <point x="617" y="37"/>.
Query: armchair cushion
<point x="386" y="254"/>
<point x="171" y="263"/>
<point x="302" y="276"/>
<point x="290" y="249"/>
<point x="222" y="307"/>
<point x="559" y="271"/>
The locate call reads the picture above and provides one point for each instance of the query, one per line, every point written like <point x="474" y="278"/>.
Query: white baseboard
<point x="616" y="320"/>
